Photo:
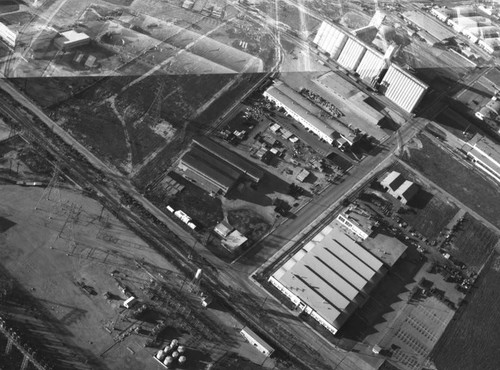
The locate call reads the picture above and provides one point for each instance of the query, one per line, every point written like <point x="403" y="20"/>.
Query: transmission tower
<point x="50" y="186"/>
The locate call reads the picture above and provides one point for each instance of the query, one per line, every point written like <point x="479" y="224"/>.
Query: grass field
<point x="471" y="340"/>
<point x="460" y="181"/>
<point x="433" y="217"/>
<point x="473" y="243"/>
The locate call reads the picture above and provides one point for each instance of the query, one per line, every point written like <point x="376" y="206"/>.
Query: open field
<point x="64" y="242"/>
<point x="471" y="340"/>
<point x="125" y="123"/>
<point x="465" y="184"/>
<point x="473" y="243"/>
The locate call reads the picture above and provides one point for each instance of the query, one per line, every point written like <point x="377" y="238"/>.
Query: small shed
<point x="223" y="229"/>
<point x="302" y="175"/>
<point x="234" y="241"/>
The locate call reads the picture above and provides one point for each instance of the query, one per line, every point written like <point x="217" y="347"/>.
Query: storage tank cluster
<point x="172" y="354"/>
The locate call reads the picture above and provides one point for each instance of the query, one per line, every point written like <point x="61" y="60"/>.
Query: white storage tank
<point x="160" y="355"/>
<point x="181" y="350"/>
<point x="175" y="355"/>
<point x="182" y="360"/>
<point x="168" y="361"/>
<point x="174" y="344"/>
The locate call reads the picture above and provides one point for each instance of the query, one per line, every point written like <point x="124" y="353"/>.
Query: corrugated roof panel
<point x="354" y="277"/>
<point x="402" y="88"/>
<point x="317" y="283"/>
<point x="330" y="39"/>
<point x="352" y="261"/>
<point x="370" y="66"/>
<point x="320" y="33"/>
<point x="351" y="54"/>
<point x="360" y="252"/>
<point x="342" y="283"/>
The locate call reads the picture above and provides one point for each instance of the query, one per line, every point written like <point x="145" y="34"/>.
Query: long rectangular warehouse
<point x="208" y="171"/>
<point x="330" y="39"/>
<point x="402" y="88"/>
<point x="305" y="112"/>
<point x="242" y="164"/>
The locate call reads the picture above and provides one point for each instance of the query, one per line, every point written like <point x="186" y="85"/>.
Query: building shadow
<point x="5" y="224"/>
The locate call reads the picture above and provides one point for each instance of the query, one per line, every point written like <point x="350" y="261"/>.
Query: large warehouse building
<point x="332" y="275"/>
<point x="207" y="171"/>
<point x="398" y="85"/>
<point x="305" y="112"/>
<point x="485" y="154"/>
<point x="215" y="168"/>
<point x="402" y="88"/>
<point x="251" y="170"/>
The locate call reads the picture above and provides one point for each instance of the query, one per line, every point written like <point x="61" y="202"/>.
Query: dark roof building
<point x="212" y="173"/>
<point x="254" y="172"/>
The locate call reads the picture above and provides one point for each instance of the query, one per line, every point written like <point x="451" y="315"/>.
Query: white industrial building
<point x="351" y="54"/>
<point x="443" y="14"/>
<point x="7" y="35"/>
<point x="332" y="275"/>
<point x="300" y="109"/>
<point x="71" y="39"/>
<point x="485" y="155"/>
<point x="428" y="24"/>
<point x="400" y="188"/>
<point x="370" y="66"/>
<point x="398" y="85"/>
<point x="402" y="88"/>
<point x="257" y="341"/>
<point x="358" y="221"/>
<point x="330" y="40"/>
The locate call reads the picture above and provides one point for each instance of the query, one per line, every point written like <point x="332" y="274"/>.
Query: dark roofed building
<point x="254" y="172"/>
<point x="212" y="173"/>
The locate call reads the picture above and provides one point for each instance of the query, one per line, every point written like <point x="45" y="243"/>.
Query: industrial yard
<point x="212" y="184"/>
<point x="77" y="260"/>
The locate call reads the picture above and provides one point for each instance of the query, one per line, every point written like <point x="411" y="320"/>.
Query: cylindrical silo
<point x="175" y="354"/>
<point x="181" y="350"/>
<point x="168" y="361"/>
<point x="160" y="355"/>
<point x="182" y="361"/>
<point x="174" y="343"/>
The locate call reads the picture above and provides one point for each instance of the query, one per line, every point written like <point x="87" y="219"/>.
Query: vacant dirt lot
<point x="473" y="243"/>
<point x="50" y="250"/>
<point x="431" y="215"/>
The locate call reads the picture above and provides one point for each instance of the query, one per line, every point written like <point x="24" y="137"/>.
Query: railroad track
<point x="156" y="236"/>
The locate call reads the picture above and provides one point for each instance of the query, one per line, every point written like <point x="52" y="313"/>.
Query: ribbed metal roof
<point x="330" y="39"/>
<point x="370" y="66"/>
<point x="351" y="54"/>
<point x="402" y="88"/>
